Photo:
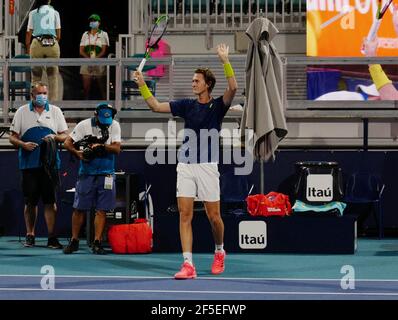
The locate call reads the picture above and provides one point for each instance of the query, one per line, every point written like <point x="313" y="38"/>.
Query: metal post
<point x="6" y="92"/>
<point x="1" y="15"/>
<point x="131" y="15"/>
<point x="208" y="32"/>
<point x="108" y="78"/>
<point x="118" y="85"/>
<point x="6" y="18"/>
<point x="171" y="79"/>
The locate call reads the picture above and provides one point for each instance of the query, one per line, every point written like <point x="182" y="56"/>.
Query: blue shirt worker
<point x="44" y="26"/>
<point x="32" y="125"/>
<point x="197" y="170"/>
<point x="95" y="141"/>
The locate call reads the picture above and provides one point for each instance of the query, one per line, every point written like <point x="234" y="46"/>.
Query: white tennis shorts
<point x="198" y="180"/>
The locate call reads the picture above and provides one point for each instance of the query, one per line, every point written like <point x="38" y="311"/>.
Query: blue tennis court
<point x="373" y="275"/>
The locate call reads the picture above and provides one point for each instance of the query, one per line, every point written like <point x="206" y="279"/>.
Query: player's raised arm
<point x="150" y="100"/>
<point x="229" y="94"/>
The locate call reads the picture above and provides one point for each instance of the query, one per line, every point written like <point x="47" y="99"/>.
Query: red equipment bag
<point x="271" y="204"/>
<point x="131" y="238"/>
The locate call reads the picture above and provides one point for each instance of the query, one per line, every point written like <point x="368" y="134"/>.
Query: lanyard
<point x="92" y="46"/>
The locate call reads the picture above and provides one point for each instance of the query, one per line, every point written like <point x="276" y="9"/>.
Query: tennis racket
<point x="376" y="23"/>
<point x="156" y="34"/>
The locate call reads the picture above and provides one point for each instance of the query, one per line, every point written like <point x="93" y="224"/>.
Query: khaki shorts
<point x="198" y="180"/>
<point x="93" y="70"/>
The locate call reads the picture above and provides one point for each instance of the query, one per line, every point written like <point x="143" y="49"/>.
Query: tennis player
<point x="197" y="170"/>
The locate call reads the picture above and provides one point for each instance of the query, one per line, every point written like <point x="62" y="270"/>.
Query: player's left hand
<point x="222" y="51"/>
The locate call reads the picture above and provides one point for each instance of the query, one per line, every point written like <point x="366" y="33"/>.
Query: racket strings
<point x="157" y="31"/>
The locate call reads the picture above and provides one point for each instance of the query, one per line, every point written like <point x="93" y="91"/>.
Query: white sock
<point x="187" y="257"/>
<point x="219" y="248"/>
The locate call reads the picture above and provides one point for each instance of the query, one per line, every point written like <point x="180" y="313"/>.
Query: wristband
<point x="379" y="78"/>
<point x="228" y="71"/>
<point x="145" y="92"/>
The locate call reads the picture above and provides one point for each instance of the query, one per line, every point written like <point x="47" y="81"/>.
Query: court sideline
<point x="370" y="273"/>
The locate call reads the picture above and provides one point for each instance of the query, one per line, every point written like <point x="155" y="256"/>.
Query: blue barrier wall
<point x="162" y="178"/>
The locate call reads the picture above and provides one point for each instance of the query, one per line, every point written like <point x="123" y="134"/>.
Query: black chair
<point x="364" y="187"/>
<point x="234" y="190"/>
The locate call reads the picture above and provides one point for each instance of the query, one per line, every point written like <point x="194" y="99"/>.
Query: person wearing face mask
<point x="94" y="44"/>
<point x="32" y="124"/>
<point x="95" y="187"/>
<point x="44" y="26"/>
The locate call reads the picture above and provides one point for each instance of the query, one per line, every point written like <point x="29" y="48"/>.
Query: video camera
<point x="85" y="144"/>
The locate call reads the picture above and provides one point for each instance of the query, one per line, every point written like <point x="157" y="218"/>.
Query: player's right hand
<point x="139" y="78"/>
<point x="370" y="47"/>
<point x="29" y="146"/>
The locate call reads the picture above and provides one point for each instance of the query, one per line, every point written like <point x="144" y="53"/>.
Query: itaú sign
<point x="319" y="187"/>
<point x="252" y="234"/>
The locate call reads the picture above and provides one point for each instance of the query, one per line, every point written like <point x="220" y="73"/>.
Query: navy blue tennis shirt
<point x="201" y="130"/>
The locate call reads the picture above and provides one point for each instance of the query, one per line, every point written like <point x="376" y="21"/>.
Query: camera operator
<point x="100" y="139"/>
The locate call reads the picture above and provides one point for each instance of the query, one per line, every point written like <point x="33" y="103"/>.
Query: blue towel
<point x="300" y="206"/>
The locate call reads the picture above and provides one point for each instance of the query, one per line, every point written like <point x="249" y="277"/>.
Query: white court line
<point x="208" y="292"/>
<point x="198" y="278"/>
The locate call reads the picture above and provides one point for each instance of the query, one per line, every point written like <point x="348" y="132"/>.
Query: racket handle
<point x="373" y="30"/>
<point x="141" y="66"/>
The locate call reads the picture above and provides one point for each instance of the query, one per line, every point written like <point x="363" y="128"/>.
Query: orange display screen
<point x="337" y="28"/>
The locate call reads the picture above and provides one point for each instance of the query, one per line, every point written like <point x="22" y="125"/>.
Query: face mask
<point x="41" y="99"/>
<point x="94" y="24"/>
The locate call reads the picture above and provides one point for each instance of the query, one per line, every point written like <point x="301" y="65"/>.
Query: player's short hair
<point x="210" y="79"/>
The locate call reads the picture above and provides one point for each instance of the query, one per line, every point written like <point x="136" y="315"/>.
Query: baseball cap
<point x="105" y="113"/>
<point x="369" y="90"/>
<point x="94" y="17"/>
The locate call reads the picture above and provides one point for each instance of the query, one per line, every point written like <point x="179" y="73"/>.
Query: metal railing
<point x="207" y="18"/>
<point x="297" y="111"/>
<point x="180" y="69"/>
<point x="119" y="65"/>
<point x="218" y="15"/>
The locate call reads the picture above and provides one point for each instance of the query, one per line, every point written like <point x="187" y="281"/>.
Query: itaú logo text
<point x="252" y="234"/>
<point x="319" y="187"/>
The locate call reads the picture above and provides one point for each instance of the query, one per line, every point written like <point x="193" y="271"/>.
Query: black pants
<point x="35" y="185"/>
